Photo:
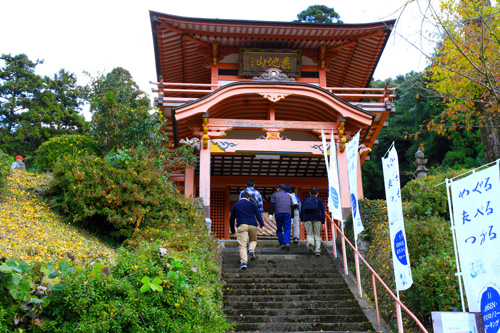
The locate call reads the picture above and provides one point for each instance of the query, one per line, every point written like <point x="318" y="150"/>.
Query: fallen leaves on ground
<point x="32" y="232"/>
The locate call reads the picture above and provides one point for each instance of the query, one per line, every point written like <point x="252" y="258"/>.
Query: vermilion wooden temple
<point x="254" y="96"/>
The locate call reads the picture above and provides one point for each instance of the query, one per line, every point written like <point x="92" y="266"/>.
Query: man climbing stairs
<point x="289" y="291"/>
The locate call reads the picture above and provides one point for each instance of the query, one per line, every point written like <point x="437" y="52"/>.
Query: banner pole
<point x="334" y="239"/>
<point x="452" y="223"/>
<point x="358" y="274"/>
<point x="346" y="271"/>
<point x="398" y="313"/>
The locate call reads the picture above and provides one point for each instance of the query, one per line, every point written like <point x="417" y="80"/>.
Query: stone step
<point x="292" y="311"/>
<point x="296" y="264"/>
<point x="274" y="247"/>
<point x="321" y="287"/>
<point x="288" y="291"/>
<point x="279" y="292"/>
<point x="293" y="279"/>
<point x="239" y="274"/>
<point x="279" y="256"/>
<point x="297" y="327"/>
<point x="298" y="318"/>
<point x="253" y="270"/>
<point x="342" y="299"/>
<point x="298" y="251"/>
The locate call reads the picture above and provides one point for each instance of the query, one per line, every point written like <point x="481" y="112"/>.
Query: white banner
<point x="334" y="201"/>
<point x="400" y="255"/>
<point x="325" y="150"/>
<point x="476" y="218"/>
<point x="352" y="173"/>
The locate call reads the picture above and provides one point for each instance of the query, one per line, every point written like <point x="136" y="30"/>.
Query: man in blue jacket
<point x="312" y="213"/>
<point x="246" y="214"/>
<point x="282" y="209"/>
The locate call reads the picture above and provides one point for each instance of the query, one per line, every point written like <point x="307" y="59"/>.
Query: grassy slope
<point x="31" y="232"/>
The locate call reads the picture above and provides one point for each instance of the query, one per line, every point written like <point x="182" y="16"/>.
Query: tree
<point x="319" y="14"/>
<point x="122" y="119"/>
<point x="121" y="113"/>
<point x="465" y="70"/>
<point x="414" y="104"/>
<point x="35" y="108"/>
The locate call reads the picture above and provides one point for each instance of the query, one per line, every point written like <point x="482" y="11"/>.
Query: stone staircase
<point x="289" y="291"/>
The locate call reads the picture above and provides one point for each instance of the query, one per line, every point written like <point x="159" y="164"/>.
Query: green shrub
<point x="7" y="312"/>
<point x="5" y="162"/>
<point x="50" y="151"/>
<point x="427" y="195"/>
<point x="88" y="189"/>
<point x="430" y="247"/>
<point x="25" y="291"/>
<point x="109" y="299"/>
<point x="435" y="285"/>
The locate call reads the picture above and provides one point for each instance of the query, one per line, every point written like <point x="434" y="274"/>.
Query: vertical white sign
<point x="476" y="218"/>
<point x="352" y="173"/>
<point x="400" y="255"/>
<point x="334" y="201"/>
<point x="325" y="150"/>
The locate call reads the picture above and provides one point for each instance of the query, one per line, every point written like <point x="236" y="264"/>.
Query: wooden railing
<point x="374" y="276"/>
<point x="164" y="89"/>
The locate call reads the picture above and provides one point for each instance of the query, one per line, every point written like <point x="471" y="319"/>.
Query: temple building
<point x="254" y="98"/>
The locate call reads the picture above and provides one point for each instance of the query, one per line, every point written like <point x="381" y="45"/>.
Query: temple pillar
<point x="205" y="182"/>
<point x="189" y="182"/>
<point x="322" y="77"/>
<point x="360" y="179"/>
<point x="343" y="182"/>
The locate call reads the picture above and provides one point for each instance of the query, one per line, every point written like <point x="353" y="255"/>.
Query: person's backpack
<point x="310" y="205"/>
<point x="252" y="199"/>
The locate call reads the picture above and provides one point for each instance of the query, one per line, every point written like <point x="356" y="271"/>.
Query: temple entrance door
<point x="219" y="208"/>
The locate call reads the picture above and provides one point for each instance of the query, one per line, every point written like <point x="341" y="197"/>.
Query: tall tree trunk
<point x="490" y="136"/>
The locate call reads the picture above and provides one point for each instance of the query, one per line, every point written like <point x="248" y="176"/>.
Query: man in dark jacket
<point x="282" y="209"/>
<point x="246" y="214"/>
<point x="312" y="213"/>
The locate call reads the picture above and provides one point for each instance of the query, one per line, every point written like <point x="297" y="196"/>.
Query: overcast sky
<point x="97" y="36"/>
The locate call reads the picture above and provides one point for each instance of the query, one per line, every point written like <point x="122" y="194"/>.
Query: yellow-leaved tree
<point x="465" y="70"/>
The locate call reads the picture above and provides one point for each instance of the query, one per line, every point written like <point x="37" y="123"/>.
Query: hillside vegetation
<point x="430" y="247"/>
<point x="56" y="277"/>
<point x="30" y="231"/>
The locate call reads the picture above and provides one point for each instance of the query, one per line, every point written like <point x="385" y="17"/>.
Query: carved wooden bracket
<point x="205" y="137"/>
<point x="215" y="52"/>
<point x="273" y="97"/>
<point x="212" y="54"/>
<point x="343" y="140"/>
<point x="274" y="74"/>
<point x="273" y="134"/>
<point x="322" y="56"/>
<point x="212" y="131"/>
<point x="363" y="149"/>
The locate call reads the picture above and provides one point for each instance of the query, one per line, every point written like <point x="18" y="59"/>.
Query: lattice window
<point x="219" y="212"/>
<point x="323" y="194"/>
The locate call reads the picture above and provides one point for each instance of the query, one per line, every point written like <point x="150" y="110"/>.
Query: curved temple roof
<point x="351" y="55"/>
<point x="297" y="103"/>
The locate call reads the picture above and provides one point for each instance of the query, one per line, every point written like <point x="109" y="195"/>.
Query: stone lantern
<point x="420" y="163"/>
